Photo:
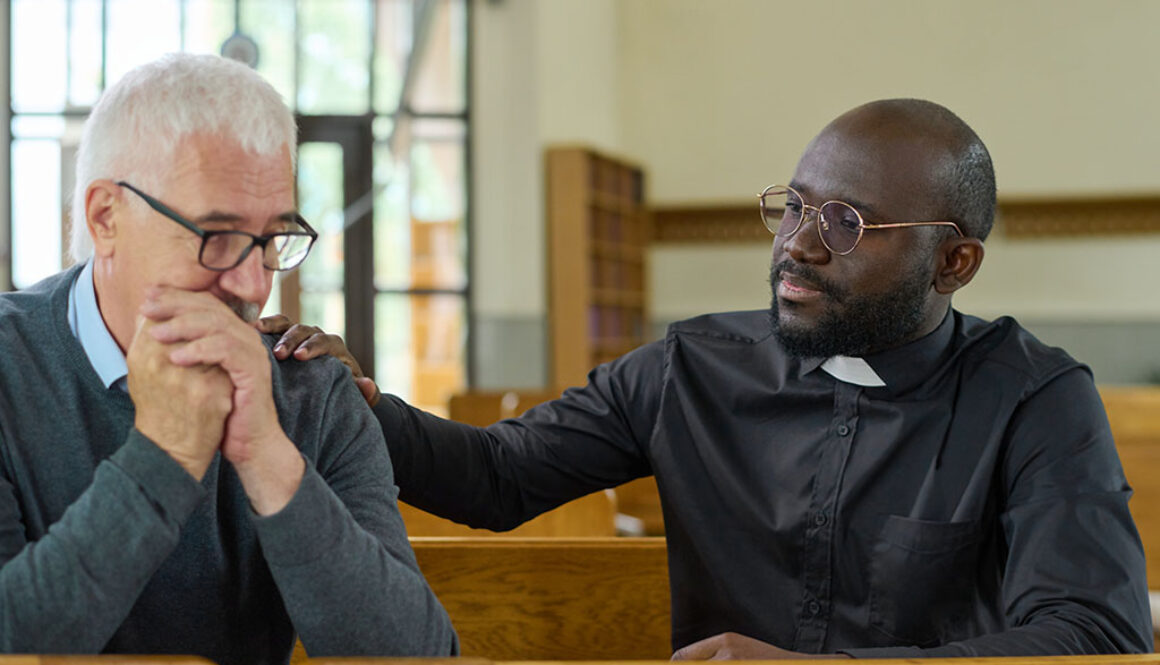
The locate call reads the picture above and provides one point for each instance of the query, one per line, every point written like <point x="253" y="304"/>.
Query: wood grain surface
<point x="553" y="598"/>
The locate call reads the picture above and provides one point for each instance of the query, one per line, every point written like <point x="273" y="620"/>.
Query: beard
<point x="246" y="311"/>
<point x="852" y="324"/>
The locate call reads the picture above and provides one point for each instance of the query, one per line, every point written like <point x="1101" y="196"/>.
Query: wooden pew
<point x="108" y="659"/>
<point x="1134" y="414"/>
<point x="589" y="516"/>
<point x="552" y="598"/>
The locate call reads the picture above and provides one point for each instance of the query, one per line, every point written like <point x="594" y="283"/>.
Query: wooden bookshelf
<point x="598" y="228"/>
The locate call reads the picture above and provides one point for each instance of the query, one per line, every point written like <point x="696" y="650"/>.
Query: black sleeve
<point x="498" y="477"/>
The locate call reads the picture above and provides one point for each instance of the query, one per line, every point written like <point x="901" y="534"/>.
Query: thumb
<point x="369" y="390"/>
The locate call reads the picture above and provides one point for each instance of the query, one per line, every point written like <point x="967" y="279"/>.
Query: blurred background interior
<point x="459" y="252"/>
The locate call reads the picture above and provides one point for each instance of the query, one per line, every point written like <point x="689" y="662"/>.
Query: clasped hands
<point x="199" y="378"/>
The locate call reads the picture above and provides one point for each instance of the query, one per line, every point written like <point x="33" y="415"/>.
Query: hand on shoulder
<point x="303" y="342"/>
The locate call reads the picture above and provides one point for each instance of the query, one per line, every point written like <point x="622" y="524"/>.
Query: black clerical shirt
<point x="974" y="505"/>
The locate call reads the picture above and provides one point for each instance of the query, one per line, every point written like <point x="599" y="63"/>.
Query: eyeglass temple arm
<point x="899" y="225"/>
<point x="163" y="209"/>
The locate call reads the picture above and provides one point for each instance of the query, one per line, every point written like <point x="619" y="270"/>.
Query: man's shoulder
<point x="1005" y="344"/>
<point x="746" y="327"/>
<point x="31" y="301"/>
<point x="28" y="317"/>
<point x="297" y="378"/>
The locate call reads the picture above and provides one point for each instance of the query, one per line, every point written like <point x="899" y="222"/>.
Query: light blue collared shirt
<point x="87" y="325"/>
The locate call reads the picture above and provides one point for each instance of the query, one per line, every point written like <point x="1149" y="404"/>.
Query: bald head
<point x="923" y="150"/>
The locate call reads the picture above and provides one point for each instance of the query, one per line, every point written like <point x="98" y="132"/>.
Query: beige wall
<point x="717" y="98"/>
<point x="720" y="97"/>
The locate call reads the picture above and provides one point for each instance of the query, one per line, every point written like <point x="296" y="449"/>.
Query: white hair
<point x="138" y="122"/>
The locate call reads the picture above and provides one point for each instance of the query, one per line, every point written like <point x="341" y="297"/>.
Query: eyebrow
<point x="229" y="217"/>
<point x="865" y="209"/>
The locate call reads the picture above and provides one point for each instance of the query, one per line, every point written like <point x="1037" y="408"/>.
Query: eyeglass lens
<point x="285" y="250"/>
<point x="838" y="224"/>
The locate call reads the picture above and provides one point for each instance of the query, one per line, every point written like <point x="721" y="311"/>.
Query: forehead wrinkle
<point x="224" y="160"/>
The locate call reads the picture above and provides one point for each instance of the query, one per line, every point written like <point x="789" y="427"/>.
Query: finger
<point x="190" y="325"/>
<point x="369" y="390"/>
<point x="292" y="339"/>
<point x="273" y="325"/>
<point x="232" y="353"/>
<point x="326" y="344"/>
<point x="143" y="343"/>
<point x="165" y="302"/>
<point x="702" y="650"/>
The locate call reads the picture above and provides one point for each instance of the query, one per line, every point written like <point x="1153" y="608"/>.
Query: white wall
<point x="506" y="175"/>
<point x="717" y="99"/>
<point x="544" y="72"/>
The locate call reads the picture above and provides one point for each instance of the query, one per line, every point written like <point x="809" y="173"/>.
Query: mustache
<point x="833" y="291"/>
<point x="246" y="311"/>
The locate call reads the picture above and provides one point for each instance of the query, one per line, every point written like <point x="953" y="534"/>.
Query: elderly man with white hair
<point x="165" y="485"/>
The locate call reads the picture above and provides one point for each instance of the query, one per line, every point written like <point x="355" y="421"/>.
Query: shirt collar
<point x="87" y="325"/>
<point x="853" y="370"/>
<point x="898" y="370"/>
<point x="906" y="367"/>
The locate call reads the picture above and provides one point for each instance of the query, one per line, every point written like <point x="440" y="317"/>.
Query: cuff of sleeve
<point x="305" y="528"/>
<point x="885" y="652"/>
<point x="160" y="477"/>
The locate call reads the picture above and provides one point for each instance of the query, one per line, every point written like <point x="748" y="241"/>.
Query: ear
<point x="103" y="204"/>
<point x="958" y="261"/>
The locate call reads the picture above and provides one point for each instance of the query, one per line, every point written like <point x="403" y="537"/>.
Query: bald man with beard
<point x="860" y="470"/>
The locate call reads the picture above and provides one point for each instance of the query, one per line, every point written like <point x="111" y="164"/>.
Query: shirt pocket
<point x="922" y="580"/>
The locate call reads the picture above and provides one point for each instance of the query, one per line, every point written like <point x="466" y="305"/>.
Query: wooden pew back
<point x="553" y="598"/>
<point x="1134" y="415"/>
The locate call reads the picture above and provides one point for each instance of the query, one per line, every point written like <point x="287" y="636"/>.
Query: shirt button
<point x="843" y="430"/>
<point x="820" y="519"/>
<point x="813" y="607"/>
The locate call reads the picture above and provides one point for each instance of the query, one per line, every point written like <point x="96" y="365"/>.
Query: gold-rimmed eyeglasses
<point x="840" y="225"/>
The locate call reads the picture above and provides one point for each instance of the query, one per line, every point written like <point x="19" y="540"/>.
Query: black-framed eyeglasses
<point x="840" y="225"/>
<point x="224" y="250"/>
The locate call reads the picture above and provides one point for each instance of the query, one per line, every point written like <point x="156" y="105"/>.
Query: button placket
<point x="818" y="557"/>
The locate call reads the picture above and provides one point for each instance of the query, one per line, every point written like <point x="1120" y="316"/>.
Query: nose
<point x="806" y="245"/>
<point x="249" y="280"/>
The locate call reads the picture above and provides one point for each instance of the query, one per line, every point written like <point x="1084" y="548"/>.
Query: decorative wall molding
<point x="1079" y="217"/>
<point x="739" y="222"/>
<point x="1025" y="218"/>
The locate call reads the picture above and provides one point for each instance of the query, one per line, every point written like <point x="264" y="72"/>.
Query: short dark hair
<point x="971" y="192"/>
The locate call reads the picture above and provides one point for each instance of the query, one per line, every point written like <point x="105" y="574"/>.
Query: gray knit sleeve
<point x="339" y="551"/>
<point x="70" y="590"/>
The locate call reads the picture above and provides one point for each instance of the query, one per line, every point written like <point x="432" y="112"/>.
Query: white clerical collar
<point x="853" y="370"/>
